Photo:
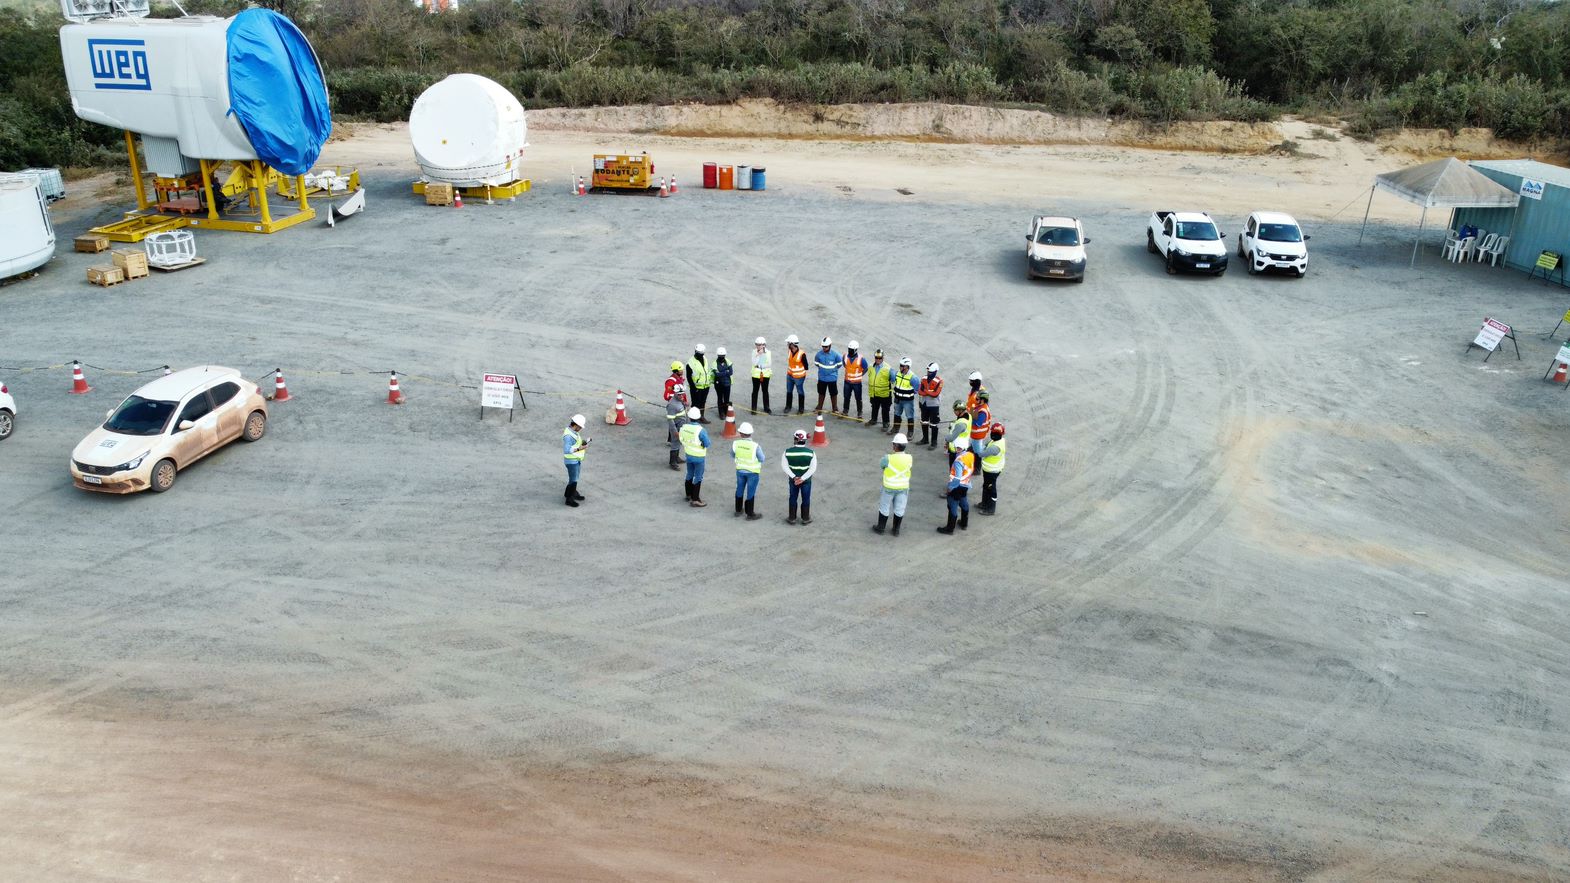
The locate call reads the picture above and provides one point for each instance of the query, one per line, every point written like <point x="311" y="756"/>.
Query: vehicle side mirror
<point x="1087" y="240"/>
<point x="1307" y="237"/>
<point x="1221" y="235"/>
<point x="184" y="425"/>
<point x="1027" y="237"/>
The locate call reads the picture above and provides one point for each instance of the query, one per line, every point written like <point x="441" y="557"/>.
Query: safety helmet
<point x="720" y="351"/>
<point x="853" y="346"/>
<point x="793" y="339"/>
<point x="679" y="389"/>
<point x="578" y="419"/>
<point x="699" y="349"/>
<point x="959" y="404"/>
<point x="932" y="367"/>
<point x="826" y="342"/>
<point x="877" y="354"/>
<point x="900" y="439"/>
<point x="693" y="413"/>
<point x="905" y="362"/>
<point x="997" y="430"/>
<point x="746" y="429"/>
<point x="675" y="366"/>
<point x="800" y="435"/>
<point x="975" y="375"/>
<point x="759" y="342"/>
<point x="984" y="396"/>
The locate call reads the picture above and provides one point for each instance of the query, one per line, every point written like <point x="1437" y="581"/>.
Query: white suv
<point x="7" y="412"/>
<point x="1273" y="241"/>
<point x="1055" y="248"/>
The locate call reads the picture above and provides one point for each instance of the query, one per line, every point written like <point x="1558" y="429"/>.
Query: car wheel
<point x="1240" y="246"/>
<point x="162" y="477"/>
<point x="1221" y="271"/>
<point x="7" y="423"/>
<point x="1301" y="273"/>
<point x="1079" y="279"/>
<point x="1250" y="259"/>
<point x="1150" y="242"/>
<point x="1171" y="266"/>
<point x="255" y="427"/>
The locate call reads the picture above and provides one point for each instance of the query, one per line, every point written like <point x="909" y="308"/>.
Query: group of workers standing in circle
<point x="974" y="440"/>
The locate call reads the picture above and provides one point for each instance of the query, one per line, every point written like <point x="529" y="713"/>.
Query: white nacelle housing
<point x="468" y="131"/>
<point x="160" y="78"/>
<point x="27" y="239"/>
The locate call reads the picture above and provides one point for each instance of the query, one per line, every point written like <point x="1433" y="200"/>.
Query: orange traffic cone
<point x="1560" y="371"/>
<point x="280" y="389"/>
<point x="730" y="422"/>
<point x="394" y="395"/>
<point x="673" y="185"/>
<point x="621" y="411"/>
<point x="78" y="382"/>
<point x="457" y="198"/>
<point x="820" y="436"/>
<point x="582" y="189"/>
<point x="664" y="190"/>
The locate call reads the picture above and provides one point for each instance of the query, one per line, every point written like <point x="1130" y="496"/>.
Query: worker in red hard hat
<point x="991" y="468"/>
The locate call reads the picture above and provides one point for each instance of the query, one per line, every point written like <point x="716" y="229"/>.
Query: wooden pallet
<point x="91" y="244"/>
<point x="105" y="276"/>
<point x="185" y="266"/>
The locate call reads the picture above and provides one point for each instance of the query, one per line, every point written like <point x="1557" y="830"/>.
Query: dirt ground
<point x="1275" y="592"/>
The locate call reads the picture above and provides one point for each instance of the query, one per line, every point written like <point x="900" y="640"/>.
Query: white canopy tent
<point x="1443" y="183"/>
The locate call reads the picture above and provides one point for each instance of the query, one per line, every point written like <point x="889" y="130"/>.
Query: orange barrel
<point x="711" y="176"/>
<point x="727" y="177"/>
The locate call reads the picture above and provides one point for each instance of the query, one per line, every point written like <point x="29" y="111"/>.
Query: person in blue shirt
<point x="695" y="444"/>
<point x="724" y="371"/>
<point x="748" y="455"/>
<point x="829" y="364"/>
<point x="573" y="444"/>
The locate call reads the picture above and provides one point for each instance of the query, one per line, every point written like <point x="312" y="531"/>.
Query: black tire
<point x="1079" y="279"/>
<point x="1150" y="243"/>
<point x="1250" y="259"/>
<point x="162" y="477"/>
<point x="1171" y="266"/>
<point x="1221" y="272"/>
<point x="1301" y="273"/>
<point x="7" y="424"/>
<point x="255" y="427"/>
<point x="1240" y="246"/>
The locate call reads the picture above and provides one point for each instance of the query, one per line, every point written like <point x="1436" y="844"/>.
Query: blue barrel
<point x="758" y="177"/>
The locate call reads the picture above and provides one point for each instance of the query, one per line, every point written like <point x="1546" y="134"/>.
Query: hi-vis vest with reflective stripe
<point x="855" y="369"/>
<point x="746" y="451"/>
<point x="994" y="464"/>
<point x="702" y="374"/>
<point x="980" y="427"/>
<point x="576" y="441"/>
<point x="691" y="445"/>
<point x="896" y="475"/>
<point x="880" y="380"/>
<point x="762" y="364"/>
<point x="963" y="425"/>
<point x="964" y="468"/>
<point x="800" y="459"/>
<point x="797" y="364"/>
<point x="904" y="385"/>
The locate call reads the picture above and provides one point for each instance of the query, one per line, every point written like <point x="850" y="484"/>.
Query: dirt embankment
<point x="970" y="124"/>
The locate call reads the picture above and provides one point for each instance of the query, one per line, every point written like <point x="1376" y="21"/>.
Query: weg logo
<point x="119" y="64"/>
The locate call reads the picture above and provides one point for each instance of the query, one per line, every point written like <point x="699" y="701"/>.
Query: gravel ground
<point x="1276" y="589"/>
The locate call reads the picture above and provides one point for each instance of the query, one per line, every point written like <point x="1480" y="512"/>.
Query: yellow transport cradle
<point x="486" y="192"/>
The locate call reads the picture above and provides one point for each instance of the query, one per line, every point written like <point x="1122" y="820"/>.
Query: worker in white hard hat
<point x="695" y="444"/>
<point x="928" y="393"/>
<point x="855" y="376"/>
<point x="675" y="419"/>
<point x="896" y="484"/>
<point x="762" y="370"/>
<point x="724" y="370"/>
<point x="904" y="383"/>
<point x="959" y="433"/>
<point x="880" y="388"/>
<point x="973" y="398"/>
<point x="829" y="364"/>
<point x="748" y="455"/>
<point x="800" y="464"/>
<point x="573" y="446"/>
<point x="795" y="374"/>
<point x="700" y="376"/>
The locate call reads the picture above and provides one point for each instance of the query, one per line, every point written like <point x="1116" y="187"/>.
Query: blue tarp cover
<point x="276" y="90"/>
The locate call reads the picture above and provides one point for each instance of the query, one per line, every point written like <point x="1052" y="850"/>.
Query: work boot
<point x="897" y="520"/>
<point x="575" y="495"/>
<point x="882" y="520"/>
<point x="675" y="461"/>
<point x="571" y="497"/>
<point x="964" y="519"/>
<point x="738" y="507"/>
<point x="948" y="528"/>
<point x="934" y="443"/>
<point x="791" y="519"/>
<point x="806" y="514"/>
<point x="871" y="420"/>
<point x="910" y="429"/>
<point x="697" y="496"/>
<point x="751" y="505"/>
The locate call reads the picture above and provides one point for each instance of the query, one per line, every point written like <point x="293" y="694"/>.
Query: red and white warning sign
<point x="496" y="390"/>
<point x="1490" y="334"/>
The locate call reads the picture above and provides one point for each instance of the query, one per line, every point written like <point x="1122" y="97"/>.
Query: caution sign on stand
<point x="497" y="391"/>
<point x="1491" y="335"/>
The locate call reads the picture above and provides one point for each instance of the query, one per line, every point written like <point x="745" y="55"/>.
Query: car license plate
<point x="1054" y="272"/>
<point x="92" y="479"/>
<point x="1203" y="266"/>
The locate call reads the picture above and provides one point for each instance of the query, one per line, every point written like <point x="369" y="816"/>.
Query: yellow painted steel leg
<point x="260" y="183"/>
<point x="207" y="187"/>
<point x="136" y="172"/>
<point x="299" y="186"/>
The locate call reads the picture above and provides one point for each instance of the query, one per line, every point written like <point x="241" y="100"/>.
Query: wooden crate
<point x="132" y="260"/>
<point x="438" y="194"/>
<point x="105" y="276"/>
<point x="91" y="243"/>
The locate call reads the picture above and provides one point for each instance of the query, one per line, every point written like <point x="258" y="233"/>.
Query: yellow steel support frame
<point x="136" y="172"/>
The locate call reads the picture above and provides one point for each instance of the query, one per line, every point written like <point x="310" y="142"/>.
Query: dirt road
<point x="1275" y="591"/>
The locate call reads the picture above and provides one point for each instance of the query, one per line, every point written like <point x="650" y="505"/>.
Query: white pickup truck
<point x="1188" y="240"/>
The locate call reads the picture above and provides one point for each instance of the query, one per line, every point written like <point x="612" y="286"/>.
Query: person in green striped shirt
<point x="799" y="463"/>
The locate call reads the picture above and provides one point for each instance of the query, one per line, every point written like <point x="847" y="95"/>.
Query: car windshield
<point x="1057" y="236"/>
<point x="139" y="416"/>
<point x="1198" y="231"/>
<point x="1280" y="233"/>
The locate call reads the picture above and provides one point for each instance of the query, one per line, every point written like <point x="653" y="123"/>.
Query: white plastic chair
<point x="1496" y="252"/>
<point x="1452" y="242"/>
<point x="1463" y="249"/>
<point x="1480" y="253"/>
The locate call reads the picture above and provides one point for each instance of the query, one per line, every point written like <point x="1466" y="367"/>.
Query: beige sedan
<point x="165" y="427"/>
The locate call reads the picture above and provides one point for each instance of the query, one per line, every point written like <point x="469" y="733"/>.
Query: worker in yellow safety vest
<point x="959" y="430"/>
<point x="748" y="455"/>
<point x="573" y="445"/>
<point x="700" y="376"/>
<point x="880" y="389"/>
<point x="991" y="468"/>
<point x="695" y="444"/>
<point x="896" y="485"/>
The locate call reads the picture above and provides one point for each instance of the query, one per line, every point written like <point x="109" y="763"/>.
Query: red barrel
<point x="711" y="176"/>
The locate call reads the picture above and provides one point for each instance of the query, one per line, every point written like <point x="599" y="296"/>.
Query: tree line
<point x="1502" y="64"/>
